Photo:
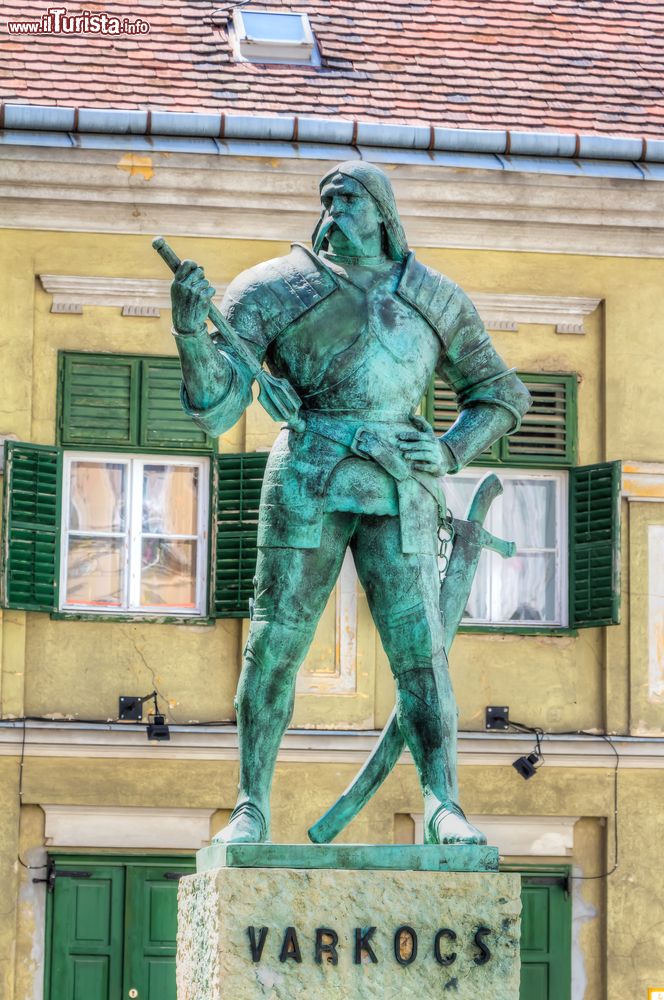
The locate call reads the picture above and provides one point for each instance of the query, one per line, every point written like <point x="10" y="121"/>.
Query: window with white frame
<point x="134" y="534"/>
<point x="529" y="589"/>
<point x="273" y="37"/>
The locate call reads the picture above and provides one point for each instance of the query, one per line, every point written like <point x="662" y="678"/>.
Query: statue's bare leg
<point x="292" y="588"/>
<point x="403" y="592"/>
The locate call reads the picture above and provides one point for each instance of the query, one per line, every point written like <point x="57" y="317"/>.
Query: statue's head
<point x="357" y="206"/>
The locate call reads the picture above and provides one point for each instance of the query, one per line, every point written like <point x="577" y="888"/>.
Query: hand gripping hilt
<point x="276" y="395"/>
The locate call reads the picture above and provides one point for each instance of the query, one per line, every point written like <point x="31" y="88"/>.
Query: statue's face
<point x="353" y="215"/>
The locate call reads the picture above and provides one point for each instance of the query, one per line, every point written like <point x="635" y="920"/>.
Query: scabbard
<point x="469" y="540"/>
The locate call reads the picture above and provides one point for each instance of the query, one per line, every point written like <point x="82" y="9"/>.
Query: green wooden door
<point x="546" y="927"/>
<point x="86" y="953"/>
<point x="150" y="931"/>
<point x="113" y="928"/>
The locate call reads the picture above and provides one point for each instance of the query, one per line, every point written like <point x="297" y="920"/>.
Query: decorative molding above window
<point x="643" y="482"/>
<point x="507" y="312"/>
<point x="147" y="296"/>
<point x="130" y="826"/>
<point x="134" y="296"/>
<point x="520" y="836"/>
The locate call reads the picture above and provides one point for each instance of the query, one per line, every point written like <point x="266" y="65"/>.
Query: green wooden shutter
<point x="546" y="938"/>
<point x="163" y="423"/>
<point x="151" y="918"/>
<point x="99" y="398"/>
<point x="87" y="933"/>
<point x="238" y="487"/>
<point x="124" y="401"/>
<point x="31" y="526"/>
<point x="594" y="545"/>
<point x="547" y="436"/>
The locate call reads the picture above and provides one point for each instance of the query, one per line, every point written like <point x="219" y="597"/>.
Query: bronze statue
<point x="352" y="332"/>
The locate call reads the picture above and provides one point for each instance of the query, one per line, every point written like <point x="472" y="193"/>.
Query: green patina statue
<point x="352" y="332"/>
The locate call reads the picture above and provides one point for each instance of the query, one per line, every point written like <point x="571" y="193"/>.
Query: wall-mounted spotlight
<point x="131" y="710"/>
<point x="157" y="728"/>
<point x="498" y="717"/>
<point x="527" y="766"/>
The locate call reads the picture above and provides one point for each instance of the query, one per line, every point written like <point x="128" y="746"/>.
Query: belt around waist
<point x="344" y="427"/>
<point x="369" y="442"/>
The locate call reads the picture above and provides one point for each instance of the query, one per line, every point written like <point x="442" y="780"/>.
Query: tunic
<point x="360" y="344"/>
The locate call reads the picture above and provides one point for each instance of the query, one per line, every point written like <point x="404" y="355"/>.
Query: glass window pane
<point x="528" y="588"/>
<point x="168" y="573"/>
<point x="529" y="513"/>
<point x="459" y="492"/>
<point x="170" y="499"/>
<point x="97" y="496"/>
<point x="478" y="606"/>
<point x="95" y="570"/>
<point x="273" y="27"/>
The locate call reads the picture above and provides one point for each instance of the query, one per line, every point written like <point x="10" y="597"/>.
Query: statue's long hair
<point x="377" y="183"/>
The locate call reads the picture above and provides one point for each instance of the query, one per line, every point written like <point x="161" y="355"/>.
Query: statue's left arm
<point x="491" y="398"/>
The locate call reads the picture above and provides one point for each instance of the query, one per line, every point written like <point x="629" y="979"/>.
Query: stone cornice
<point x="643" y="482"/>
<point x="147" y="296"/>
<point x="134" y="296"/>
<point x="117" y="740"/>
<point x="275" y="198"/>
<point x="508" y="312"/>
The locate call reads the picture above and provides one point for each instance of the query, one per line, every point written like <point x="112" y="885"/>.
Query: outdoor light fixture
<point x="131" y="710"/>
<point x="527" y="766"/>
<point x="497" y="717"/>
<point x="157" y="728"/>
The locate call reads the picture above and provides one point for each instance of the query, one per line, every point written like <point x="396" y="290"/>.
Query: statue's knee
<point x="411" y="637"/>
<point x="274" y="644"/>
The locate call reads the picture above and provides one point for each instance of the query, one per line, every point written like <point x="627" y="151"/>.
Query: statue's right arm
<point x="216" y="386"/>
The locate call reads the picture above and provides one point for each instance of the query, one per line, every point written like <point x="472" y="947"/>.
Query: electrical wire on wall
<point x="21" y="763"/>
<point x="540" y="735"/>
<point x="536" y="758"/>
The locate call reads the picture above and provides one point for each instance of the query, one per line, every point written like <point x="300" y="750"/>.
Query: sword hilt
<point x="488" y="490"/>
<point x="499" y="545"/>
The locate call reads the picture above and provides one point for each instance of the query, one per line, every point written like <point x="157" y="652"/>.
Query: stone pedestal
<point x="281" y="922"/>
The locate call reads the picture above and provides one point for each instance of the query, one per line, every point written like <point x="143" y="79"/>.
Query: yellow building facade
<point x="567" y="272"/>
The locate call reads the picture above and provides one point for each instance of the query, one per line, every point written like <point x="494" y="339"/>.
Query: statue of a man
<point x="358" y="326"/>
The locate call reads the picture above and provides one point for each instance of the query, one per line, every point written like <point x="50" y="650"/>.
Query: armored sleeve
<point x="216" y="386"/>
<point x="491" y="398"/>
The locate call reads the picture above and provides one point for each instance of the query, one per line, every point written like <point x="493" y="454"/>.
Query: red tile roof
<point x="594" y="66"/>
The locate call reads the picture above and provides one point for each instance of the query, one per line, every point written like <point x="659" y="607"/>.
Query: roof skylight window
<point x="265" y="36"/>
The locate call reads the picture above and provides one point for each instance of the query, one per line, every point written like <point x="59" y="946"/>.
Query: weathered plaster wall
<point x="8" y="873"/>
<point x="646" y="633"/>
<point x="629" y="938"/>
<point x="30" y="937"/>
<point x="635" y="895"/>
<point x="486" y="669"/>
<point x="79" y="668"/>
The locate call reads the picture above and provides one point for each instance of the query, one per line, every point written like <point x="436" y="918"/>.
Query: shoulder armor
<point x="431" y="294"/>
<point x="279" y="291"/>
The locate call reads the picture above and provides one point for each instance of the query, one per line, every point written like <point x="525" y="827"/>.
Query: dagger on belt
<point x="470" y="538"/>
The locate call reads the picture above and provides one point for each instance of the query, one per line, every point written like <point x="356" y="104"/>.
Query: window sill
<point x="550" y="630"/>
<point x="91" y="616"/>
